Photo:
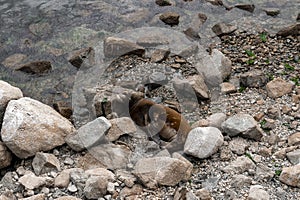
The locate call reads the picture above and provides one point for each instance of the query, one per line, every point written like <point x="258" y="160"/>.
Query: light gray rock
<point x="157" y="79"/>
<point x="198" y="84"/>
<point x="240" y="180"/>
<point x="45" y="162"/>
<point x="8" y="181"/>
<point x="215" y="68"/>
<point x="63" y="178"/>
<point x="95" y="187"/>
<point x="294" y="139"/>
<point x="243" y="125"/>
<point x="110" y="156"/>
<point x="238" y="145"/>
<point x="240" y="165"/>
<point x="88" y="135"/>
<point x="290" y="176"/>
<point x="278" y="87"/>
<point x="254" y="78"/>
<point x="5" y="156"/>
<point x="7" y="93"/>
<point x="160" y="171"/>
<point x="263" y="172"/>
<point x="216" y="120"/>
<point x="115" y="47"/>
<point x="257" y="192"/>
<point x="221" y="29"/>
<point x="31" y="181"/>
<point x="227" y="88"/>
<point x="188" y="167"/>
<point x="101" y="172"/>
<point x="8" y="195"/>
<point x="294" y="157"/>
<point x="42" y="127"/>
<point x="203" y="142"/>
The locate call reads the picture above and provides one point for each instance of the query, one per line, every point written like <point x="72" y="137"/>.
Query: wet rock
<point x="45" y="162"/>
<point x="64" y="108"/>
<point x="278" y="87"/>
<point x="95" y="187"/>
<point x="216" y="120"/>
<point x="238" y="145"/>
<point x="43" y="127"/>
<point x="240" y="165"/>
<point x="240" y="181"/>
<point x="199" y="86"/>
<point x="215" y="68"/>
<point x="227" y="88"/>
<point x="170" y="18"/>
<point x="35" y="67"/>
<point x="131" y="192"/>
<point x="290" y="176"/>
<point x="221" y="29"/>
<point x="35" y="197"/>
<point x="110" y="156"/>
<point x="254" y="78"/>
<point x="159" y="55"/>
<point x="163" y="2"/>
<point x="203" y="194"/>
<point x="120" y="126"/>
<point x="247" y="7"/>
<point x="7" y="93"/>
<point x="243" y="125"/>
<point x="63" y="179"/>
<point x="5" y="156"/>
<point x="90" y="134"/>
<point x="31" y="181"/>
<point x="294" y="139"/>
<point x="160" y="171"/>
<point x="293" y="29"/>
<point x="115" y="47"/>
<point x="294" y="156"/>
<point x="77" y="58"/>
<point x="14" y="60"/>
<point x="203" y="142"/>
<point x="257" y="192"/>
<point x="272" y="11"/>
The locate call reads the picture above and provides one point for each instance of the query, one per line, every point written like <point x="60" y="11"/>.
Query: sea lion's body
<point x="156" y="119"/>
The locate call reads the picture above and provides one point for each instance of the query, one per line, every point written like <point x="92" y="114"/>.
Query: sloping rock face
<point x="30" y="126"/>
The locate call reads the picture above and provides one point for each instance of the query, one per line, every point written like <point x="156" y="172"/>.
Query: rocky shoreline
<point x="237" y="84"/>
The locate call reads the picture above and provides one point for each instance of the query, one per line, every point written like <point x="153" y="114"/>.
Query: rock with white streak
<point x="203" y="142"/>
<point x="30" y="126"/>
<point x="45" y="162"/>
<point x="7" y="93"/>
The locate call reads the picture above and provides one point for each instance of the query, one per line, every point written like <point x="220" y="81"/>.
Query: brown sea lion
<point x="158" y="120"/>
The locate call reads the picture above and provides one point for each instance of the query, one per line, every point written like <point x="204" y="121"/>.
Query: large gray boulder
<point x="30" y="126"/>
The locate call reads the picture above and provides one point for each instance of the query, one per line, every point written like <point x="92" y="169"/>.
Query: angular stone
<point x="126" y="177"/>
<point x="31" y="181"/>
<point x="63" y="179"/>
<point x="64" y="108"/>
<point x="227" y="88"/>
<point x="159" y="55"/>
<point x="5" y="156"/>
<point x="238" y="145"/>
<point x="293" y="30"/>
<point x="264" y="173"/>
<point x="290" y="176"/>
<point x="131" y="193"/>
<point x="240" y="165"/>
<point x="240" y="181"/>
<point x="294" y="139"/>
<point x="216" y="120"/>
<point x="272" y="11"/>
<point x="88" y="135"/>
<point x="170" y="18"/>
<point x="110" y="156"/>
<point x="42" y="127"/>
<point x="163" y="2"/>
<point x="215" y="68"/>
<point x="294" y="157"/>
<point x="101" y="172"/>
<point x="189" y="165"/>
<point x="203" y="142"/>
<point x="247" y="7"/>
<point x="95" y="187"/>
<point x="199" y="86"/>
<point x="278" y="87"/>
<point x="7" y="93"/>
<point x="221" y="29"/>
<point x="35" y="67"/>
<point x="115" y="47"/>
<point x="203" y="194"/>
<point x="254" y="78"/>
<point x="160" y="171"/>
<point x="45" y="162"/>
<point x="120" y="126"/>
<point x="257" y="192"/>
<point x="243" y="125"/>
<point x="78" y="57"/>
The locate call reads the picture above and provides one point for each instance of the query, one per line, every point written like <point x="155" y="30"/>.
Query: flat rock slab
<point x="30" y="126"/>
